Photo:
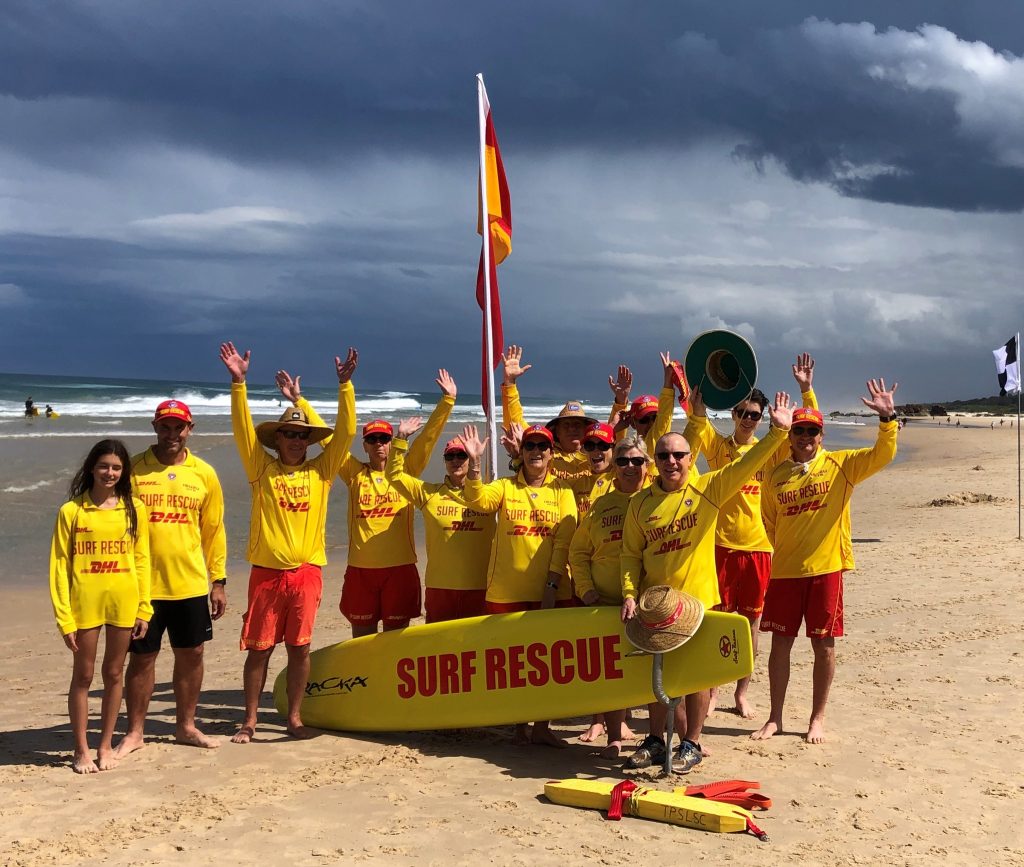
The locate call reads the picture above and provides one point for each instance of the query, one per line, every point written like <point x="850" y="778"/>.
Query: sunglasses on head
<point x="539" y="445"/>
<point x="805" y="430"/>
<point x="456" y="456"/>
<point x="625" y="462"/>
<point x="750" y="414"/>
<point x="664" y="456"/>
<point x="294" y="434"/>
<point x="377" y="439"/>
<point x="591" y="445"/>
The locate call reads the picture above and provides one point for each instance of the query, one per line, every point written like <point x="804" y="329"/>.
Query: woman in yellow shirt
<point x="99" y="576"/>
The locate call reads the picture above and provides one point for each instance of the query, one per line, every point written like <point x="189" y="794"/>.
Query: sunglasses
<point x="592" y="445"/>
<point x="456" y="456"/>
<point x="294" y="434"/>
<point x="805" y="431"/>
<point x="539" y="445"/>
<point x="377" y="439"/>
<point x="749" y="415"/>
<point x="646" y="419"/>
<point x="664" y="456"/>
<point x="625" y="462"/>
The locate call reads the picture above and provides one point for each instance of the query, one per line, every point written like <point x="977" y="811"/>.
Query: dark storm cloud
<point x="304" y="81"/>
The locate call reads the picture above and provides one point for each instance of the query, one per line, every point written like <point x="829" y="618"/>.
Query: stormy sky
<point x="841" y="178"/>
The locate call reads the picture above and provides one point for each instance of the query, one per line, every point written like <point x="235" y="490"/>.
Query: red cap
<point x="804" y="414"/>
<point x="644" y="405"/>
<point x="603" y="432"/>
<point x="378" y="426"/>
<point x="455" y="445"/>
<point x="538" y="430"/>
<point x="173" y="409"/>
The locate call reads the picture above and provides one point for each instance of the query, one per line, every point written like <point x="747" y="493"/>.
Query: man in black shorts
<point x="187" y="550"/>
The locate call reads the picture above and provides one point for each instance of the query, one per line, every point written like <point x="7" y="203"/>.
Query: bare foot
<point x="627" y="733"/>
<point x="301" y="732"/>
<point x="195" y="738"/>
<point x="82" y="763"/>
<point x="521" y="736"/>
<point x="244" y="735"/>
<point x="543" y="736"/>
<point x="766" y="731"/>
<point x="612" y="751"/>
<point x="106" y="760"/>
<point x="704" y="751"/>
<point x="816" y="732"/>
<point x="744" y="708"/>
<point x="129" y="744"/>
<point x="593" y="733"/>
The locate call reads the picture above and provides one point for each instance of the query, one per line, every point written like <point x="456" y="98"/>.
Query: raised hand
<point x="621" y="385"/>
<point x="782" y="413"/>
<point x="512" y="360"/>
<point x="288" y="387"/>
<point x="666" y="363"/>
<point x="475" y="446"/>
<point x="697" y="406"/>
<point x="236" y="364"/>
<point x="803" y="372"/>
<point x="446" y="383"/>
<point x="346" y="368"/>
<point x="512" y="440"/>
<point x="408" y="426"/>
<point x="881" y="401"/>
<point x="621" y="420"/>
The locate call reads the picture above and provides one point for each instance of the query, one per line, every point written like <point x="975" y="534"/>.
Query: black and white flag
<point x="1008" y="367"/>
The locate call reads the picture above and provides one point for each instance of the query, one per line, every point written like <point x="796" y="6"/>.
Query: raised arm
<point x="407" y="485"/>
<point x="484" y="497"/>
<point x="511" y="406"/>
<point x="863" y="463"/>
<point x="621" y="385"/>
<point x="336" y="449"/>
<point x="421" y="449"/>
<point x="249" y="449"/>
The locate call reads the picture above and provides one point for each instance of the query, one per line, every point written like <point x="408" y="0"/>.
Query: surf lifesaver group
<point x="592" y="513"/>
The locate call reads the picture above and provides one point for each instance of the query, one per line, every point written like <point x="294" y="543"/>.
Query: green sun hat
<point x="722" y="365"/>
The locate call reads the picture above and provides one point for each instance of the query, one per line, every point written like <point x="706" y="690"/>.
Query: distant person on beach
<point x="458" y="537"/>
<point x="99" y="576"/>
<point x="743" y="554"/>
<point x="49" y="411"/>
<point x="382" y="584"/>
<point x="806" y="511"/>
<point x="536" y="520"/>
<point x="594" y="557"/>
<point x="31" y="409"/>
<point x="286" y="532"/>
<point x="187" y="547"/>
<point x="669" y="538"/>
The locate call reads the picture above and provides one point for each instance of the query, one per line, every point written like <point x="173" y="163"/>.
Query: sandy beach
<point x="922" y="765"/>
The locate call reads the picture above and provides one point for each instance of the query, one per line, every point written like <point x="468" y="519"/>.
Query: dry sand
<point x="923" y="763"/>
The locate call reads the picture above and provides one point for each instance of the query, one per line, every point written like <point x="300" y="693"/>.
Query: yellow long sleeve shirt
<point x="806" y="507"/>
<point x="739" y="522"/>
<point x="379" y="517"/>
<point x="289" y="504"/>
<point x="535" y="527"/>
<point x="187" y="542"/>
<point x="596" y="548"/>
<point x="458" y="537"/>
<point x="589" y="489"/>
<point x="669" y="537"/>
<point x="99" y="574"/>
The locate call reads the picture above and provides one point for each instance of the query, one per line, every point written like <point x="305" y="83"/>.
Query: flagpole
<point x="1018" y="436"/>
<point x="489" y="340"/>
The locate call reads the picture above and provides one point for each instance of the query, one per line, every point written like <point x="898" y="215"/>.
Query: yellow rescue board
<point x="506" y="668"/>
<point x="671" y="807"/>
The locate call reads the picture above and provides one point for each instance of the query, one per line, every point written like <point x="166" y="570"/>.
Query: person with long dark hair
<point x="99" y="576"/>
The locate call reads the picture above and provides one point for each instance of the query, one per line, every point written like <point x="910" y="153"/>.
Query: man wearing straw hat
<point x="669" y="538"/>
<point x="806" y="509"/>
<point x="286" y="532"/>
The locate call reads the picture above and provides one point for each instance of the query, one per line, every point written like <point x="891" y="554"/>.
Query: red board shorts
<point x="742" y="580"/>
<point x="816" y="599"/>
<point x="446" y="604"/>
<point x="391" y="594"/>
<point x="282" y="606"/>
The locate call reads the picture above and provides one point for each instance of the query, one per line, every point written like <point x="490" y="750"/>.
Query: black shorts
<point x="187" y="622"/>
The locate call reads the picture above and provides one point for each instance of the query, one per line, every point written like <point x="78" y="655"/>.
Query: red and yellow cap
<point x="538" y="430"/>
<point x="455" y="445"/>
<point x="378" y="426"/>
<point x="173" y="409"/>
<point x="603" y="432"/>
<point x="806" y="415"/>
<point x="643" y="406"/>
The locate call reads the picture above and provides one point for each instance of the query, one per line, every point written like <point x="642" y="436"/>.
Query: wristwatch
<point x="885" y="418"/>
<point x="221" y="581"/>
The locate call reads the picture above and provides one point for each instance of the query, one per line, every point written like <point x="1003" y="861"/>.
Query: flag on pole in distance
<point x="498" y="236"/>
<point x="1008" y="367"/>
